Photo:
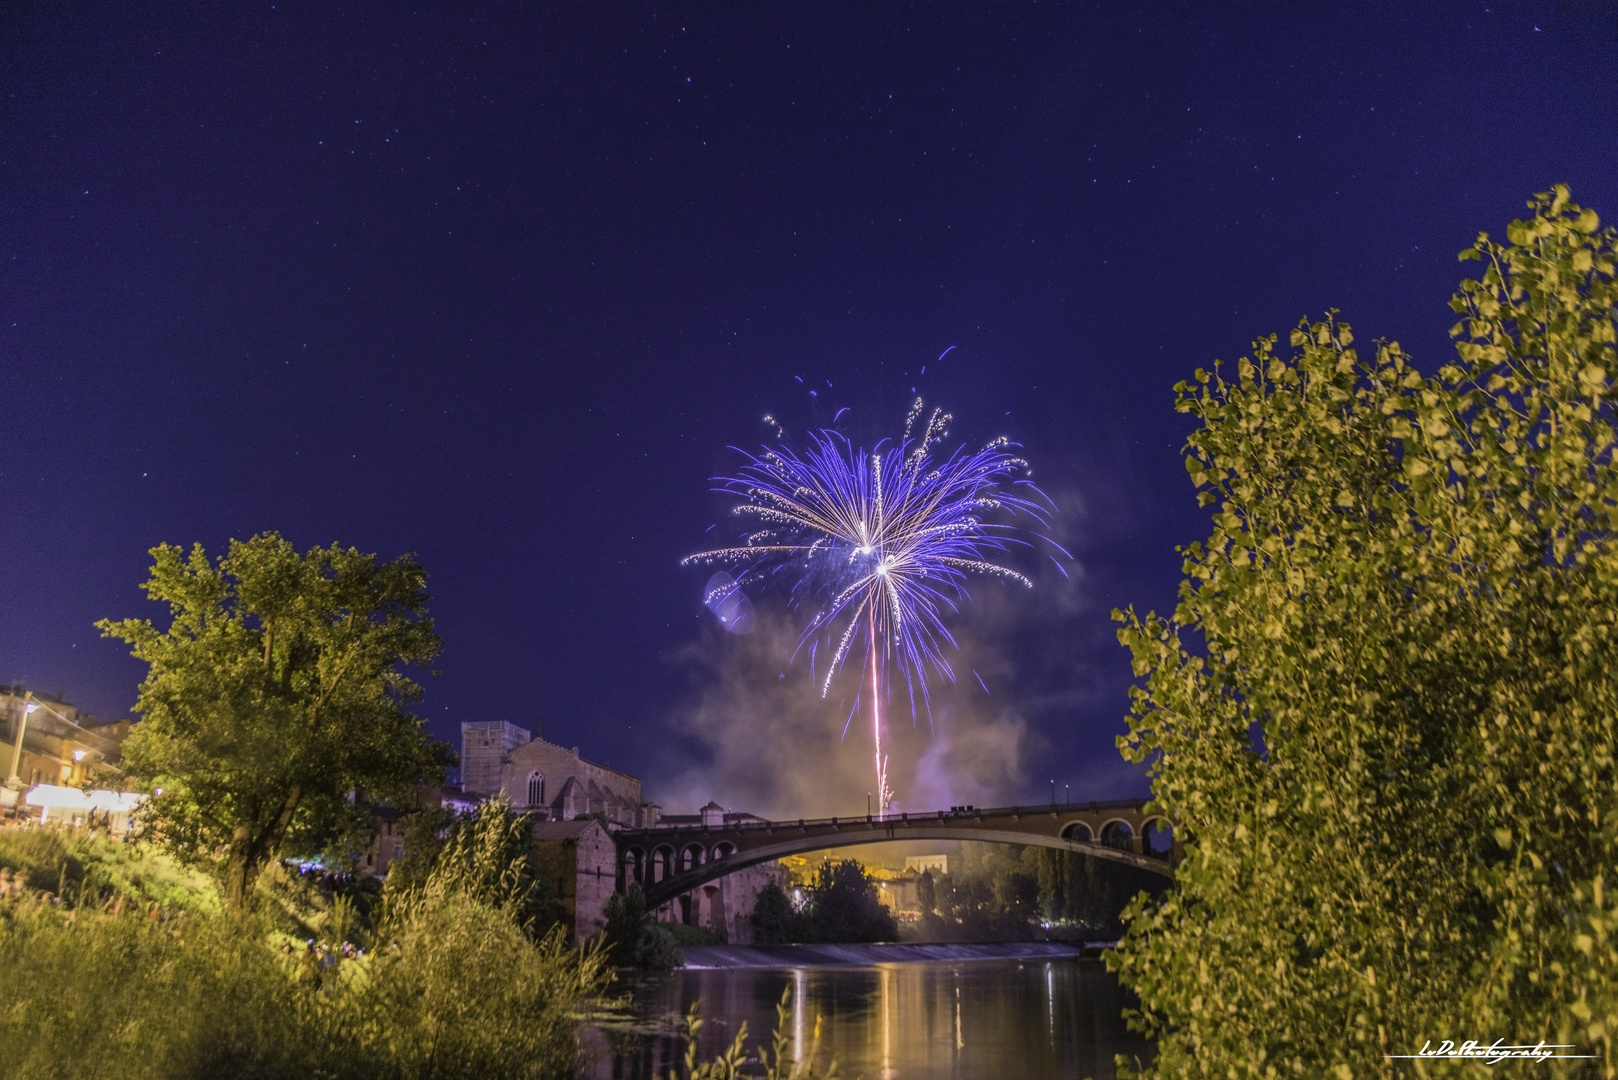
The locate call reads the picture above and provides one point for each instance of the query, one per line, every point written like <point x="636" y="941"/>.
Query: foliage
<point x="632" y="938"/>
<point x="461" y="991"/>
<point x="426" y="831"/>
<point x="773" y="918"/>
<point x="1005" y="892"/>
<point x="94" y="994"/>
<point x="658" y="949"/>
<point x="488" y="858"/>
<point x="776" y="1059"/>
<point x="457" y="991"/>
<point x="841" y="906"/>
<point x="276" y="690"/>
<point x="625" y="918"/>
<point x="1383" y="713"/>
<point x="91" y="870"/>
<point x="927" y="893"/>
<point x="684" y="934"/>
<point x="1086" y="890"/>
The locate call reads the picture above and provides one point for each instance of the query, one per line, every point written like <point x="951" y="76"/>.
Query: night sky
<point x="497" y="284"/>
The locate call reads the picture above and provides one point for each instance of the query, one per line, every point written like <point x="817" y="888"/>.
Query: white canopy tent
<point x="71" y="802"/>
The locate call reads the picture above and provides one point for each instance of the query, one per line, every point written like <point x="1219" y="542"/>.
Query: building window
<point x="536" y="789"/>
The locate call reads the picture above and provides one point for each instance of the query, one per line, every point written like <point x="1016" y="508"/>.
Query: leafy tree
<point x="276" y="691"/>
<point x="842" y="907"/>
<point x="626" y="918"/>
<point x="774" y="920"/>
<point x="633" y="938"/>
<point x="1384" y="712"/>
<point x="926" y="894"/>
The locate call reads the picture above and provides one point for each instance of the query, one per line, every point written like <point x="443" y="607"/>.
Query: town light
<point x="78" y="755"/>
<point x="13" y="785"/>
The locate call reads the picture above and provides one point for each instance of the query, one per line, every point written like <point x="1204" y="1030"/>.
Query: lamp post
<point x="10" y="797"/>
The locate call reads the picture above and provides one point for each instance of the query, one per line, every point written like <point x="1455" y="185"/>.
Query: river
<point x="1031" y="1019"/>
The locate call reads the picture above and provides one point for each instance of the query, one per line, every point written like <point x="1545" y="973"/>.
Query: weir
<point x="733" y="957"/>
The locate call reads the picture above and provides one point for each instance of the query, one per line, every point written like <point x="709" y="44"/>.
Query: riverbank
<point x="728" y="957"/>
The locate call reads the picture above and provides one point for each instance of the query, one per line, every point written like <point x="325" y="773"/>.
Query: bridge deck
<point x="1074" y="810"/>
<point x="704" y="853"/>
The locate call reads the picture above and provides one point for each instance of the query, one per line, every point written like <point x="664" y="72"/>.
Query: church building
<point x="564" y="792"/>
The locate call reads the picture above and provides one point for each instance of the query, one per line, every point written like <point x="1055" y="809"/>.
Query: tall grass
<point x="457" y="991"/>
<point x="118" y="963"/>
<point x="455" y="985"/>
<point x="88" y="869"/>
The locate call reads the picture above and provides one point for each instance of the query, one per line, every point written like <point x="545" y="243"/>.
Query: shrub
<point x="692" y="935"/>
<point x="457" y="987"/>
<point x="459" y="991"/>
<point x="92" y="994"/>
<point x="487" y="856"/>
<point x="632" y="938"/>
<point x="657" y="949"/>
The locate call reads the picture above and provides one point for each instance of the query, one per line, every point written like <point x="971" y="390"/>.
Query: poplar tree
<point x="1384" y="712"/>
<point x="276" y="693"/>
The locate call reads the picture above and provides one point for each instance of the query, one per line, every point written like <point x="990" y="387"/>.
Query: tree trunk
<point x="241" y="870"/>
<point x="247" y="854"/>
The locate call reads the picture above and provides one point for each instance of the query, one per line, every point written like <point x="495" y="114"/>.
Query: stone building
<point x="484" y="745"/>
<point x="60" y="746"/>
<point x="576" y="805"/>
<point x="388" y="820"/>
<point x="579" y="860"/>
<point x="558" y="784"/>
<point x="898" y="891"/>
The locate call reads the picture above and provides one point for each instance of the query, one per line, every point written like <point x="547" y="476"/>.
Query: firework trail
<point x="879" y="545"/>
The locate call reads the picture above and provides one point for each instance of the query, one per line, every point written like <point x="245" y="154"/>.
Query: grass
<point x="119" y="962"/>
<point x="692" y="935"/>
<point x="89" y="870"/>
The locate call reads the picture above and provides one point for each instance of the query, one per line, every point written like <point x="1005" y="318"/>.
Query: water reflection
<point x="1037" y="1019"/>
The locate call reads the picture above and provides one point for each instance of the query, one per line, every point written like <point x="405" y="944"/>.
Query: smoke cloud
<point x="775" y="747"/>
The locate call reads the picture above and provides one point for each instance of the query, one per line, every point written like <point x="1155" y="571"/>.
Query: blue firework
<point x="880" y="545"/>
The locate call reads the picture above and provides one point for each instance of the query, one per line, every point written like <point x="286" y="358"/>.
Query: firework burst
<point x="880" y="546"/>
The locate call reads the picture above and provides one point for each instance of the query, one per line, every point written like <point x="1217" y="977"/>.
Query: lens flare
<point x="724" y="597"/>
<point x="879" y="545"/>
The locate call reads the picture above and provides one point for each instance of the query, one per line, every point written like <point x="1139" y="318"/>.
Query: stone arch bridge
<point x="670" y="860"/>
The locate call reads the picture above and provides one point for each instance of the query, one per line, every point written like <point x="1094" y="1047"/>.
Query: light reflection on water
<point x="1033" y="1020"/>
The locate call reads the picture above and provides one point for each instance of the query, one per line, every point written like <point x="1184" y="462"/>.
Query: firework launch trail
<point x="879" y="545"/>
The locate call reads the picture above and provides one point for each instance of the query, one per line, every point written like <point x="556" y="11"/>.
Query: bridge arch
<point x="1118" y="833"/>
<point x="686" y="879"/>
<point x="1157" y="836"/>
<point x="1078" y="832"/>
